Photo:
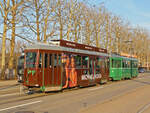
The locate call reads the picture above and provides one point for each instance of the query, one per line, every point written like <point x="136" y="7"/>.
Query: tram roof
<point x="61" y="45"/>
<point x="124" y="57"/>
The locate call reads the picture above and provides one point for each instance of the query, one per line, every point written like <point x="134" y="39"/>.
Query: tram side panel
<point x="30" y="74"/>
<point x="94" y="70"/>
<point x="134" y="68"/>
<point x="69" y="71"/>
<point x="84" y="78"/>
<point x="104" y="70"/>
<point x="52" y="77"/>
<point x="115" y="68"/>
<point x="83" y="70"/>
<point x="53" y="70"/>
<point x="126" y="68"/>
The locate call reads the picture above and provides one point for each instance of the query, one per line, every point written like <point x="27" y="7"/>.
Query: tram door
<point x="92" y="69"/>
<point x="54" y="72"/>
<point x="44" y="69"/>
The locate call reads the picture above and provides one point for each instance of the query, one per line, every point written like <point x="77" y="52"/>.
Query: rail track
<point x="21" y="96"/>
<point x="8" y="87"/>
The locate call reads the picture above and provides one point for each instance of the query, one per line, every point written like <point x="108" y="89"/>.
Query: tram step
<point x="53" y="88"/>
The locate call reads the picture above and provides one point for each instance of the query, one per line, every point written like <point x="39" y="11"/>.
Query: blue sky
<point x="137" y="12"/>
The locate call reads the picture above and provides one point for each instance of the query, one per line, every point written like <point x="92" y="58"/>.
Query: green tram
<point x="122" y="67"/>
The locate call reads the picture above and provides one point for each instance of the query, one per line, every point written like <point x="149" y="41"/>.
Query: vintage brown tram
<point x="63" y="64"/>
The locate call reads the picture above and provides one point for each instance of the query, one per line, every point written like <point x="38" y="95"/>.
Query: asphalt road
<point x="127" y="96"/>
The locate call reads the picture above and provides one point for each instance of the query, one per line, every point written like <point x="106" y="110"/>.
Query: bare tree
<point x="87" y="24"/>
<point x="4" y="9"/>
<point x="60" y="17"/>
<point x="15" y="5"/>
<point x="76" y="16"/>
<point x="49" y="25"/>
<point x="98" y="23"/>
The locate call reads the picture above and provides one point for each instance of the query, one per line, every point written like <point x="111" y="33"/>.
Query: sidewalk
<point x="4" y="83"/>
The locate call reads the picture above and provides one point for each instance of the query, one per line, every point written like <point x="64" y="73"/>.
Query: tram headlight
<point x="36" y="85"/>
<point x="21" y="71"/>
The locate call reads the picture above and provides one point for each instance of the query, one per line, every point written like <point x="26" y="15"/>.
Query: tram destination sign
<point x="69" y="44"/>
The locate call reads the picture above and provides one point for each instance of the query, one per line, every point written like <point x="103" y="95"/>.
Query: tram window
<point x="46" y="56"/>
<point x="78" y="61"/>
<point x="116" y="63"/>
<point x="113" y="63"/>
<point x="85" y="60"/>
<point x="55" y="60"/>
<point x="128" y="64"/>
<point x="59" y="59"/>
<point x="123" y="64"/>
<point x="98" y="63"/>
<point x="91" y="67"/>
<point x="40" y="61"/>
<point x="30" y="59"/>
<point x="50" y="60"/>
<point x="134" y="64"/>
<point x="21" y="61"/>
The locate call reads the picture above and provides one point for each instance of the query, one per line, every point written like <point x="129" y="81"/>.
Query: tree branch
<point x="6" y="38"/>
<point x="24" y="38"/>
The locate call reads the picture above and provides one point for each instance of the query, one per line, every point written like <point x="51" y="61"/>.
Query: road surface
<point x="127" y="96"/>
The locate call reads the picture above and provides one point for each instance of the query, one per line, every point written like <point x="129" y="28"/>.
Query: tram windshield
<point x="21" y="60"/>
<point x="30" y="59"/>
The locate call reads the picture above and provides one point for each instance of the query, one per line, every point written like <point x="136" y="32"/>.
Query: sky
<point x="137" y="12"/>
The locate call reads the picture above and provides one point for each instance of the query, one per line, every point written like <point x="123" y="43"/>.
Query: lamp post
<point x="147" y="61"/>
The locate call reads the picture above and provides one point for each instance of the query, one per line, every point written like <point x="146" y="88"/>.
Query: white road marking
<point x="142" y="110"/>
<point x="20" y="105"/>
<point x="96" y="88"/>
<point x="9" y="94"/>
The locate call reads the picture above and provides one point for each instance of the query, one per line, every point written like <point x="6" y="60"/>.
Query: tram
<point x="20" y="68"/>
<point x="61" y="64"/>
<point x="122" y="67"/>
